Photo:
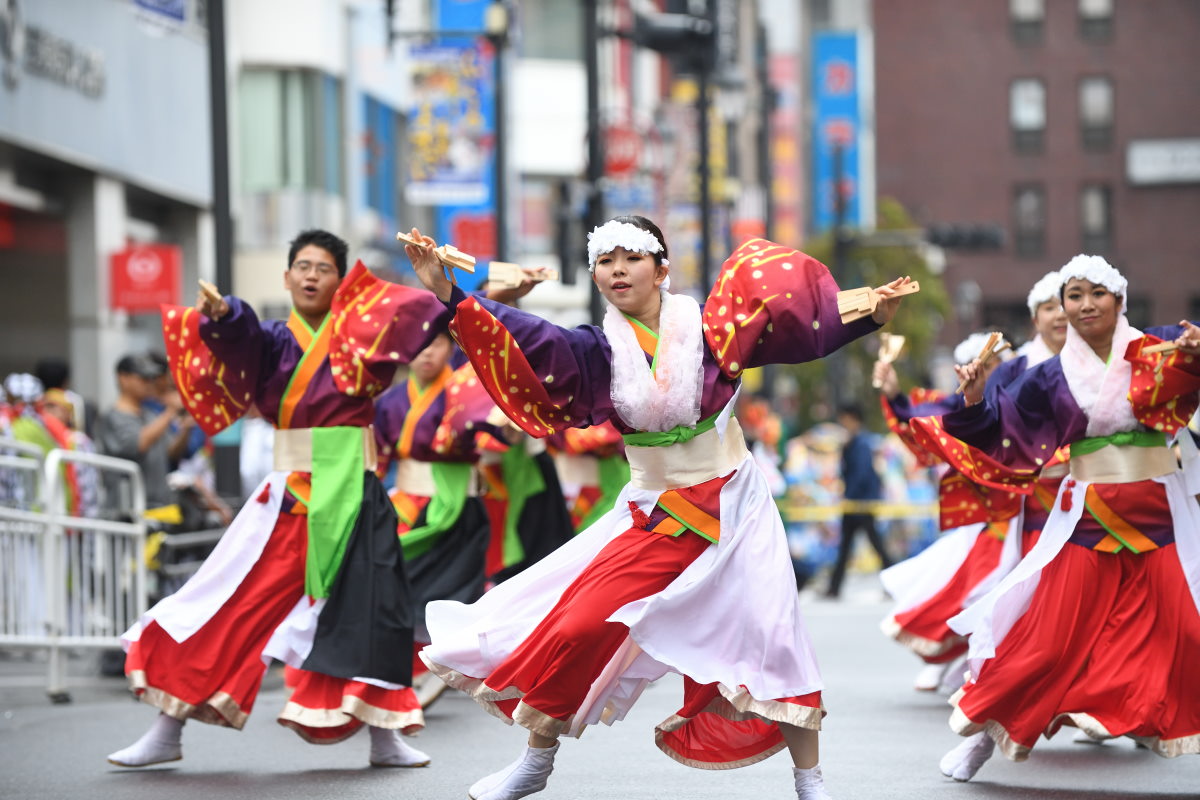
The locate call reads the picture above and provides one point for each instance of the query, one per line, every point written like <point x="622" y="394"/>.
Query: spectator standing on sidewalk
<point x="862" y="485"/>
<point x="129" y="430"/>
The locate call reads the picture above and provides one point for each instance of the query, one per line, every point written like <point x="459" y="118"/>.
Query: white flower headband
<point x="1096" y="270"/>
<point x="968" y="349"/>
<point x="614" y="234"/>
<point x="1044" y="291"/>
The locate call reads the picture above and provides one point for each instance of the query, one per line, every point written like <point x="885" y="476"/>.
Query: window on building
<point x="1096" y="112"/>
<point x="1138" y="308"/>
<point x="1096" y="20"/>
<point x="1009" y="317"/>
<point x="290" y="131"/>
<point x="1095" y="215"/>
<point x="1027" y="18"/>
<point x="551" y="29"/>
<point x="1029" y="220"/>
<point x="1027" y="114"/>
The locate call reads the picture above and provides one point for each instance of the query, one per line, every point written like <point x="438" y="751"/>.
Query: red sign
<point x="622" y="150"/>
<point x="145" y="276"/>
<point x="474" y="234"/>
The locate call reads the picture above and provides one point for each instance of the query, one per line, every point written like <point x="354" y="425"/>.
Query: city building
<point x="1074" y="125"/>
<point x="105" y="178"/>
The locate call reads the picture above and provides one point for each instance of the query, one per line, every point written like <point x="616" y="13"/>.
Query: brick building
<point x="1072" y="124"/>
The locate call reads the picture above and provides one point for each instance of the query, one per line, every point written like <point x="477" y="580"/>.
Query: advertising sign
<point x="836" y="128"/>
<point x="450" y="130"/>
<point x="144" y="276"/>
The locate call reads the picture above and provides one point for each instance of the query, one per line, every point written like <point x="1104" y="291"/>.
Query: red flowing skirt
<point x="554" y="668"/>
<point x="923" y="628"/>
<point x="215" y="674"/>
<point x="1110" y="643"/>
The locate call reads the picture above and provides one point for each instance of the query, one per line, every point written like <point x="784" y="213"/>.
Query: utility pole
<point x="226" y="457"/>
<point x="497" y="34"/>
<point x="594" y="213"/>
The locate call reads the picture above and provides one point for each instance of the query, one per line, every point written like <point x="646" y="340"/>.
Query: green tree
<point x="846" y="376"/>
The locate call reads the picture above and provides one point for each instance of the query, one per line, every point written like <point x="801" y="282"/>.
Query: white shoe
<point x="1083" y="737"/>
<point x="526" y="775"/>
<point x="429" y="689"/>
<point x="388" y="749"/>
<point x="964" y="761"/>
<point x="158" y="745"/>
<point x="929" y="677"/>
<point x="810" y="785"/>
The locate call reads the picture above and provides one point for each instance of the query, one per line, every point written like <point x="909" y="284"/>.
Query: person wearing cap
<point x="310" y="571"/>
<point x="130" y="430"/>
<point x="1098" y="626"/>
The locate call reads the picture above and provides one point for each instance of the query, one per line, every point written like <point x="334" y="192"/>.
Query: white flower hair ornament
<point x="968" y="349"/>
<point x="1044" y="291"/>
<point x="614" y="234"/>
<point x="1096" y="270"/>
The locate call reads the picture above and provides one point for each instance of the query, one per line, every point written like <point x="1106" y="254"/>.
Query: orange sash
<point x="316" y="349"/>
<point x="419" y="401"/>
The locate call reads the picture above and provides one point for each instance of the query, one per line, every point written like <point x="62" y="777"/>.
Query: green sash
<point x="677" y="435"/>
<point x="450" y="480"/>
<point x="337" y="492"/>
<point x="1124" y="438"/>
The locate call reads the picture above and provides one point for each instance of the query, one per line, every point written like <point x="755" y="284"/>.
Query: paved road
<point x="881" y="740"/>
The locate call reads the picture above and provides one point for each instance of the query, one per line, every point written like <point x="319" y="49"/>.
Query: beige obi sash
<point x="416" y="478"/>
<point x="293" y="450"/>
<point x="689" y="463"/>
<point x="1123" y="464"/>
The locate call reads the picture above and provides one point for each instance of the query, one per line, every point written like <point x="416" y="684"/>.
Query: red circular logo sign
<point x="622" y="150"/>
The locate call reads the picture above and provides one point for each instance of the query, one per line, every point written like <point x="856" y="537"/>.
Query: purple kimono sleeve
<point x="545" y="378"/>
<point x="1023" y="423"/>
<point x="774" y="305"/>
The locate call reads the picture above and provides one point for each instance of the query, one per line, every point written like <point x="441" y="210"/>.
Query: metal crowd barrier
<point x="67" y="582"/>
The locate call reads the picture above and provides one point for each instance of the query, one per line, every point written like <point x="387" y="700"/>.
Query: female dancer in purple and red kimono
<point x="1098" y="626"/>
<point x="689" y="572"/>
<point x="988" y="527"/>
<point x="310" y="571"/>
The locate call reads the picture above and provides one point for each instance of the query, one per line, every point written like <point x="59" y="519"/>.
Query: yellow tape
<point x="794" y="511"/>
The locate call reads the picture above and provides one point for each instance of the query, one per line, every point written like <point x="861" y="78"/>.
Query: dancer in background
<point x="986" y="527"/>
<point x="690" y="572"/>
<point x="427" y="426"/>
<point x="1098" y="626"/>
<point x="310" y="571"/>
<point x="978" y="545"/>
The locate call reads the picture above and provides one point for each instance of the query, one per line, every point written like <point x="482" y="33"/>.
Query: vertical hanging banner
<point x="452" y="133"/>
<point x="836" y="125"/>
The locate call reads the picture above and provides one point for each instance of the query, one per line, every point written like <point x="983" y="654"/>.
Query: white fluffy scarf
<point x="1101" y="390"/>
<point x="1035" y="351"/>
<point x="670" y="396"/>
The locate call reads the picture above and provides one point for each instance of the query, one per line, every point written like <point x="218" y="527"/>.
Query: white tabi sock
<point x="929" y="677"/>
<point x="388" y="749"/>
<point x="810" y="785"/>
<point x="964" y="761"/>
<point x="526" y="775"/>
<point x="158" y="745"/>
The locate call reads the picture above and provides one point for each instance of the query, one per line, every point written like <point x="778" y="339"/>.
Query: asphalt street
<point x="881" y="740"/>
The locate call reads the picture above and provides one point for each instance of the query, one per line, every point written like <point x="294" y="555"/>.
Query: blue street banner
<point x="837" y="126"/>
<point x="452" y="134"/>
